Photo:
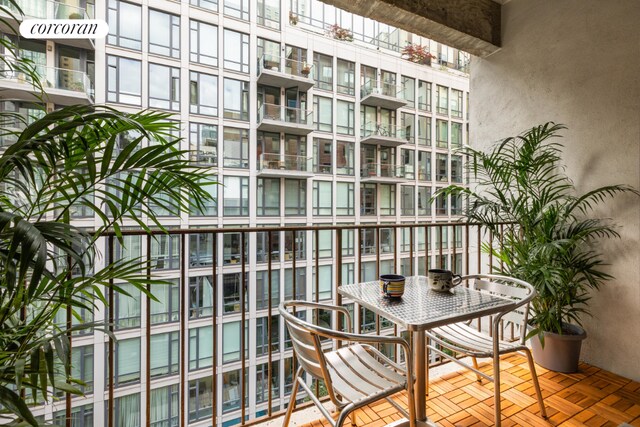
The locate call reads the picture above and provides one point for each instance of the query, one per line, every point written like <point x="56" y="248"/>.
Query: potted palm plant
<point x="547" y="234"/>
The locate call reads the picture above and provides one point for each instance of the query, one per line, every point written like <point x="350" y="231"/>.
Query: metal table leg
<point x="419" y="368"/>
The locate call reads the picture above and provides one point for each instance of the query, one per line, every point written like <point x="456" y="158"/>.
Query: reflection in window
<point x="203" y="143"/>
<point x="203" y="43"/>
<point x="200" y="296"/>
<point x="269" y="13"/>
<point x="236" y="99"/>
<point x="164" y="34"/>
<point x="236" y="148"/>
<point x="203" y="94"/>
<point x="236" y="51"/>
<point x="346" y="77"/>
<point x="323" y="71"/>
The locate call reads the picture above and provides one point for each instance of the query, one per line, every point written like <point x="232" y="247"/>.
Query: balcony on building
<point x="382" y="173"/>
<point x="383" y="135"/>
<point x="284" y="165"/>
<point x="385" y="95"/>
<point x="46" y="9"/>
<point x="284" y="72"/>
<point x="280" y="118"/>
<point x="62" y="86"/>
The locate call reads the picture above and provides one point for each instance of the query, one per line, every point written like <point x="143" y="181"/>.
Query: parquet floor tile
<point x="591" y="397"/>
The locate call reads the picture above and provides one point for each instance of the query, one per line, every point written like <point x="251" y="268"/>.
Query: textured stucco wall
<point x="577" y="62"/>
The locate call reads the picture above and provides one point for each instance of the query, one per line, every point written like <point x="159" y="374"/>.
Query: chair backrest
<point x="508" y="287"/>
<point x="305" y="341"/>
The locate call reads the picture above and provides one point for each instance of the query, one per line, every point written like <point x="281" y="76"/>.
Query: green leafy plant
<point x="548" y="236"/>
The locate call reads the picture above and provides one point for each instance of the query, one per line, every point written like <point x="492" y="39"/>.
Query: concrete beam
<point x="469" y="25"/>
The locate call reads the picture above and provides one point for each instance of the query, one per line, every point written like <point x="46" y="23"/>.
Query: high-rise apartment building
<point x="310" y="116"/>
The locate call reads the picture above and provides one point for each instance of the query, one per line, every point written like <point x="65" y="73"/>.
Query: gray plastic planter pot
<point x="561" y="353"/>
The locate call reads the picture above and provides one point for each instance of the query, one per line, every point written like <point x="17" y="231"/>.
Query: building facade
<point x="308" y="115"/>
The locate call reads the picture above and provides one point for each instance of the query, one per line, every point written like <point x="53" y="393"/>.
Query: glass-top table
<point x="420" y="309"/>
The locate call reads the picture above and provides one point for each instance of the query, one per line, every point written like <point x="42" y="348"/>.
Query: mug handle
<point x="384" y="287"/>
<point x="456" y="277"/>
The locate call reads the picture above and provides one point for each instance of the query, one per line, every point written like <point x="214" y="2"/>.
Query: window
<point x="268" y="197"/>
<point x="236" y="148"/>
<point x="295" y="197"/>
<point x="236" y="51"/>
<point x="127" y="307"/>
<point x="346" y="77"/>
<point x="322" y="157"/>
<point x="442" y="100"/>
<point x="325" y="282"/>
<point x="300" y="243"/>
<point x="203" y="94"/>
<point x="345" y="198"/>
<point x="408" y="161"/>
<point x="409" y="91"/>
<point x="322" y="198"/>
<point x="81" y="416"/>
<point x="269" y="53"/>
<point x="210" y="207"/>
<point x="456" y="205"/>
<point x="200" y="250"/>
<point x="424" y="95"/>
<point x="231" y="341"/>
<point x="82" y="367"/>
<point x="456" y="103"/>
<point x="368" y="199"/>
<point x="232" y="243"/>
<point x="236" y="196"/>
<point x="164" y="406"/>
<point x="164" y="354"/>
<point x="126" y="410"/>
<point x="442" y="173"/>
<point x="345" y="116"/>
<point x="262" y="249"/>
<point x="236" y="99"/>
<point x="269" y="13"/>
<point x="127" y="361"/>
<point x="232" y="390"/>
<point x="164" y="34"/>
<point x="203" y="143"/>
<point x="200" y="399"/>
<point x="408" y="127"/>
<point x="387" y="199"/>
<point x="200" y="296"/>
<point x="442" y="133"/>
<point x="322" y="110"/>
<point x="300" y="284"/>
<point x="164" y="87"/>
<point x="124" y="80"/>
<point x="424" y="166"/>
<point x="125" y="24"/>
<point x="167" y="308"/>
<point x="345" y="158"/>
<point x="264" y="381"/>
<point x="237" y="8"/>
<point x="232" y="293"/>
<point x="262" y="334"/>
<point x="441" y="204"/>
<point x="424" y="131"/>
<point x="262" y="290"/>
<point x="456" y="169"/>
<point x="206" y="4"/>
<point x="323" y="71"/>
<point x="165" y="252"/>
<point x="368" y="320"/>
<point x="200" y="348"/>
<point x="456" y="135"/>
<point x="407" y="200"/>
<point x="203" y="43"/>
<point x="325" y="244"/>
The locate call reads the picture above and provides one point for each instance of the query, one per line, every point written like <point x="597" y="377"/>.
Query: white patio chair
<point x="464" y="339"/>
<point x="355" y="375"/>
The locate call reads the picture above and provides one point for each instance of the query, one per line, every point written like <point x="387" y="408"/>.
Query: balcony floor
<point x="591" y="397"/>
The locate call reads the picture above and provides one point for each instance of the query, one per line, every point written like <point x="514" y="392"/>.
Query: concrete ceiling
<point x="470" y="25"/>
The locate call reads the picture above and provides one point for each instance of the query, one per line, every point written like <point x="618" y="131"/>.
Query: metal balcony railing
<point x="321" y="259"/>
<point x="49" y="77"/>
<point x="281" y="113"/>
<point x="384" y="130"/>
<point x="46" y="9"/>
<point x="285" y="65"/>
<point x="287" y="162"/>
<point x="371" y="87"/>
<point x="381" y="170"/>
